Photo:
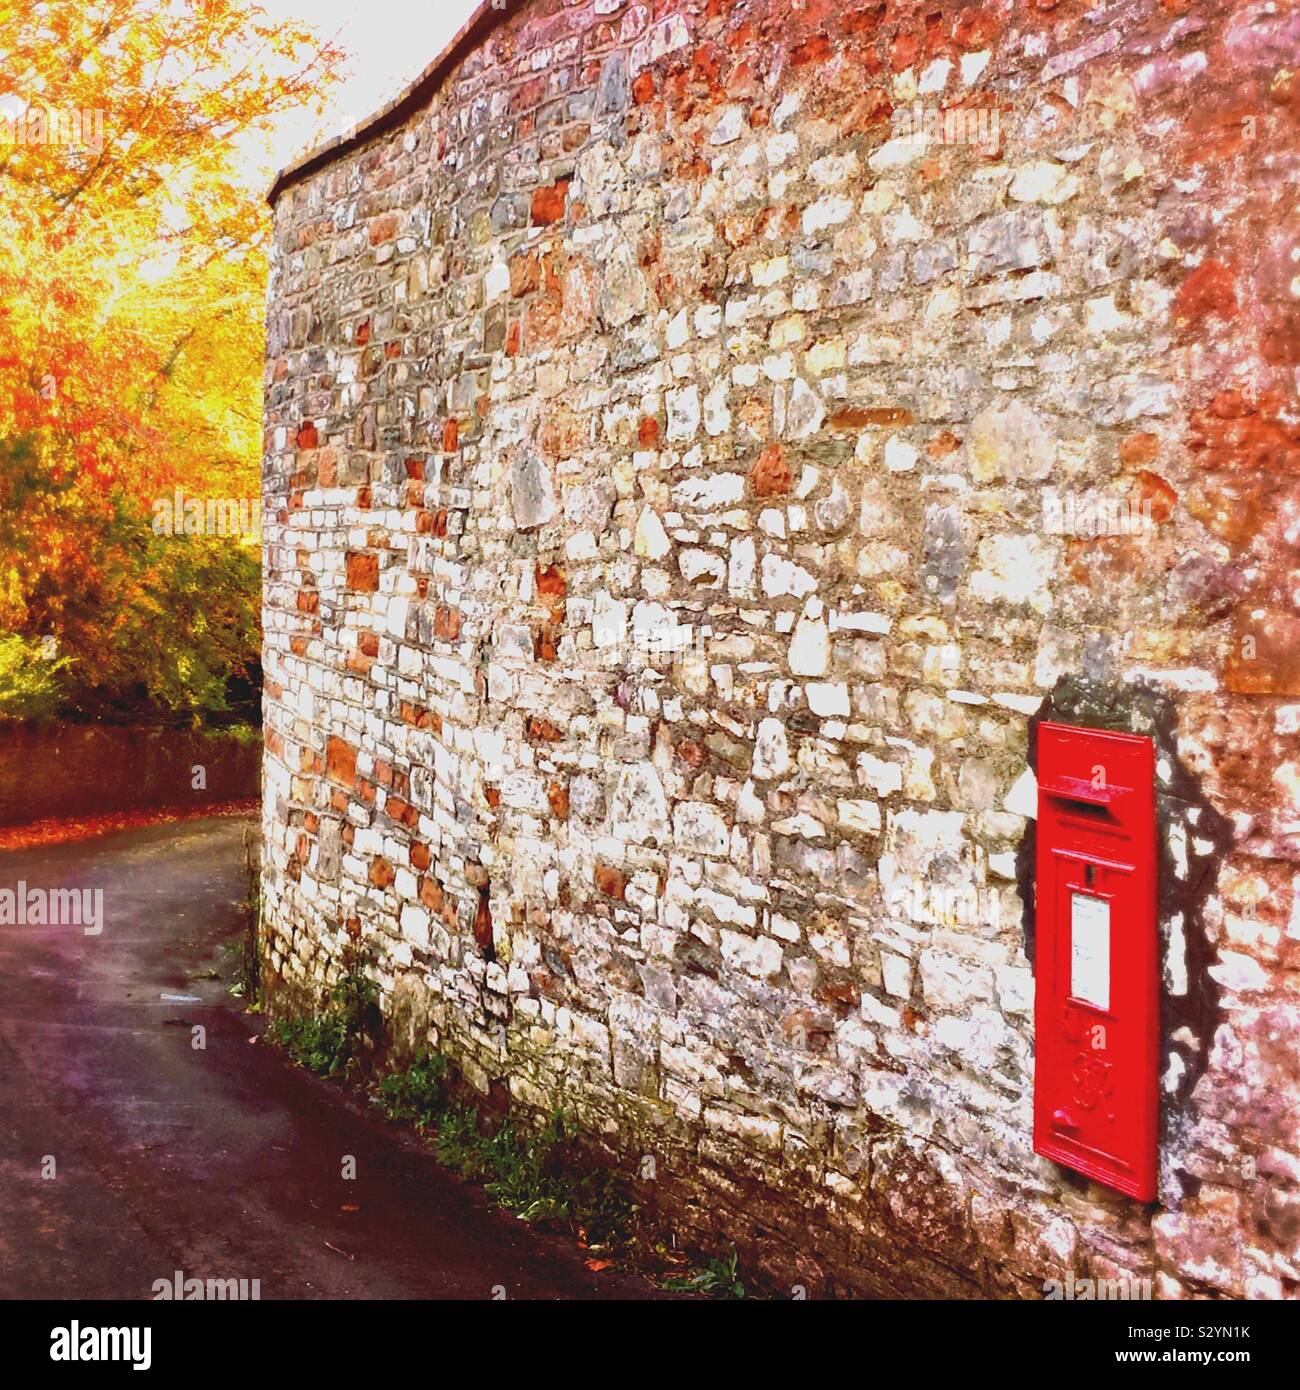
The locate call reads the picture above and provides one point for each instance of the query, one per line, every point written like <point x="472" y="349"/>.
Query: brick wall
<point x="682" y="486"/>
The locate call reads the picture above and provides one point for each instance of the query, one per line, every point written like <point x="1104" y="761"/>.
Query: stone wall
<point x="688" y="426"/>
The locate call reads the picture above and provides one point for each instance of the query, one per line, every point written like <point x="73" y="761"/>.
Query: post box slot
<point x="1079" y="789"/>
<point x="1089" y="811"/>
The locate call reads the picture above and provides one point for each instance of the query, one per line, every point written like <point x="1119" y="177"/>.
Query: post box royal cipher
<point x="1097" y="995"/>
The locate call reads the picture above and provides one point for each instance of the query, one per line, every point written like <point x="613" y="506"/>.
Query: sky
<point x="390" y="42"/>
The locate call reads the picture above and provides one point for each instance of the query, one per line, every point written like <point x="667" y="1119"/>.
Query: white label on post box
<point x="1090" y="950"/>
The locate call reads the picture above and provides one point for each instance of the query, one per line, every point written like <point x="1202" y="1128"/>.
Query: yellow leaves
<point x="132" y="281"/>
<point x="134" y="275"/>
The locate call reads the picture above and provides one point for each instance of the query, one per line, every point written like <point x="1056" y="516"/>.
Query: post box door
<point x="1096" y="1015"/>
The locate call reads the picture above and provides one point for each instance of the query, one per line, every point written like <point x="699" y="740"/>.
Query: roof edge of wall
<point x="485" y="17"/>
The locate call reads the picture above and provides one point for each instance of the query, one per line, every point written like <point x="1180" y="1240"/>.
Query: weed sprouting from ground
<point x="328" y="1043"/>
<point x="318" y="1043"/>
<point x="417" y="1095"/>
<point x="536" y="1173"/>
<point x="717" y="1278"/>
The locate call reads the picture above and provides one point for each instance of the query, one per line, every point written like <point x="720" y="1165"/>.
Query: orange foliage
<point x="132" y="280"/>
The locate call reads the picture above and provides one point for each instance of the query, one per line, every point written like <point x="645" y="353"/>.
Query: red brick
<point x="483" y="923"/>
<point x="446" y="623"/>
<point x="525" y="275"/>
<point x="867" y="19"/>
<point x="549" y="203"/>
<point x="1154" y="494"/>
<point x="362" y="572"/>
<point x="1138" y="449"/>
<point x="382" y="872"/>
<point x="1210" y="290"/>
<point x="770" y="475"/>
<point x="974" y="27"/>
<point x="550" y="580"/>
<point x="943" y="444"/>
<point x="383" y="228"/>
<point x="1265" y="655"/>
<point x="341" y="761"/>
<point x="903" y="51"/>
<point x="870" y="109"/>
<point x="1234" y="433"/>
<point x="855" y="419"/>
<point x="546" y="645"/>
<point x="691" y="753"/>
<point x="610" y="881"/>
<point x="815" y="49"/>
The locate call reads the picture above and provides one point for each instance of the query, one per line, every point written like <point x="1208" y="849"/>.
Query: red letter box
<point x="1097" y="993"/>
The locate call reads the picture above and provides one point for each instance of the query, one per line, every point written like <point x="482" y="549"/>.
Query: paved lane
<point x="223" y="1162"/>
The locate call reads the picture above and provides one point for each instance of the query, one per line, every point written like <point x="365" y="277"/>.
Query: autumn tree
<point x="133" y="159"/>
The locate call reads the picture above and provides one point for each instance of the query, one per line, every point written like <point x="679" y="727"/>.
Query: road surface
<point x="224" y="1162"/>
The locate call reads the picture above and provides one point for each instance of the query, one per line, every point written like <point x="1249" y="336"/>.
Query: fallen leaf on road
<point x="56" y="831"/>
